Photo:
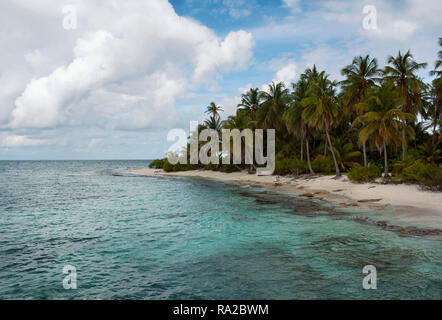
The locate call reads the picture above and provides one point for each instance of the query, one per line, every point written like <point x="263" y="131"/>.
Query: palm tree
<point x="251" y="101"/>
<point x="213" y="109"/>
<point x="239" y="121"/>
<point x="384" y="121"/>
<point x="214" y="122"/>
<point x="431" y="153"/>
<point x="321" y="109"/>
<point x="435" y="109"/>
<point x="438" y="62"/>
<point x="273" y="106"/>
<point x="361" y="75"/>
<point x="346" y="156"/>
<point x="402" y="73"/>
<point x="310" y="73"/>
<point x="294" y="121"/>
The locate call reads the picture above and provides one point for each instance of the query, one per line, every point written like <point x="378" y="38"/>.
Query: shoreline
<point x="408" y="204"/>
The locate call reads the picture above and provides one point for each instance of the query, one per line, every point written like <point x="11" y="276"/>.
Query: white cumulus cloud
<point x="286" y="74"/>
<point x="121" y="43"/>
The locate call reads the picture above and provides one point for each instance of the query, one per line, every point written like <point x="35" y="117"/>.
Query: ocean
<point x="138" y="237"/>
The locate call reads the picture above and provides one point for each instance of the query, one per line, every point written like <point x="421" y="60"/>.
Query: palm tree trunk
<point x="325" y="151"/>
<point x="385" y="160"/>
<point x="308" y="157"/>
<point x="364" y="151"/>
<point x="302" y="149"/>
<point x="243" y="151"/>
<point x="403" y="145"/>
<point x="338" y="172"/>
<point x="434" y="132"/>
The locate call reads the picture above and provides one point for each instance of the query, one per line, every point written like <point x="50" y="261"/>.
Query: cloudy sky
<point x="111" y="83"/>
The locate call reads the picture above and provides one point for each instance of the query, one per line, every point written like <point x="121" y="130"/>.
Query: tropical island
<point x="229" y="150"/>
<point x="378" y="125"/>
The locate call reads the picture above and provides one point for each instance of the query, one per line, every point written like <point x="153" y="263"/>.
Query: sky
<point x="90" y="79"/>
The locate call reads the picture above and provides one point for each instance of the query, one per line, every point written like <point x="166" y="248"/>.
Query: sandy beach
<point x="404" y="203"/>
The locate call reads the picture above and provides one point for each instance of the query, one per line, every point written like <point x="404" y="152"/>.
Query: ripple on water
<point x="133" y="237"/>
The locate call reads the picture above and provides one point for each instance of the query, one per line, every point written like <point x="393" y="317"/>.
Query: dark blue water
<point x="132" y="237"/>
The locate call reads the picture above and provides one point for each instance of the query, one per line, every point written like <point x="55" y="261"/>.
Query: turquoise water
<point x="133" y="237"/>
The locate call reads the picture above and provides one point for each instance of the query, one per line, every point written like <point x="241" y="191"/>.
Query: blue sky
<point x="113" y="86"/>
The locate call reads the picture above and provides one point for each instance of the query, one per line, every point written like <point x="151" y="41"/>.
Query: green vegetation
<point x="211" y="167"/>
<point x="420" y="172"/>
<point x="373" y="120"/>
<point x="290" y="166"/>
<point x="365" y="174"/>
<point x="168" y="167"/>
<point x="230" y="168"/>
<point x="158" y="164"/>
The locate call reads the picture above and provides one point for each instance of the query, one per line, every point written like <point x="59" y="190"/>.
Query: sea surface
<point x="137" y="237"/>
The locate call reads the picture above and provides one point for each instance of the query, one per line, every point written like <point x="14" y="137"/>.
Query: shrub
<point x="158" y="164"/>
<point x="187" y="167"/>
<point x="400" y="165"/>
<point x="436" y="183"/>
<point x="285" y="166"/>
<point x="299" y="166"/>
<point x="421" y="172"/>
<point x="210" y="166"/>
<point x="282" y="166"/>
<point x="321" y="166"/>
<point x="365" y="174"/>
<point x="168" y="167"/>
<point x="229" y="168"/>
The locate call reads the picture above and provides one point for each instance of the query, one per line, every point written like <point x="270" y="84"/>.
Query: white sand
<point x="411" y="204"/>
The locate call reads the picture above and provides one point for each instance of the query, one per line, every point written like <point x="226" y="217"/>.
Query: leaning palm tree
<point x="275" y="102"/>
<point x="250" y="101"/>
<point x="402" y="72"/>
<point x="384" y="121"/>
<point x="311" y="75"/>
<point x="321" y="109"/>
<point x="361" y="75"/>
<point x="213" y="109"/>
<point x="346" y="156"/>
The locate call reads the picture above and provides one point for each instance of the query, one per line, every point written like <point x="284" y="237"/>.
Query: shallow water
<point x="133" y="237"/>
